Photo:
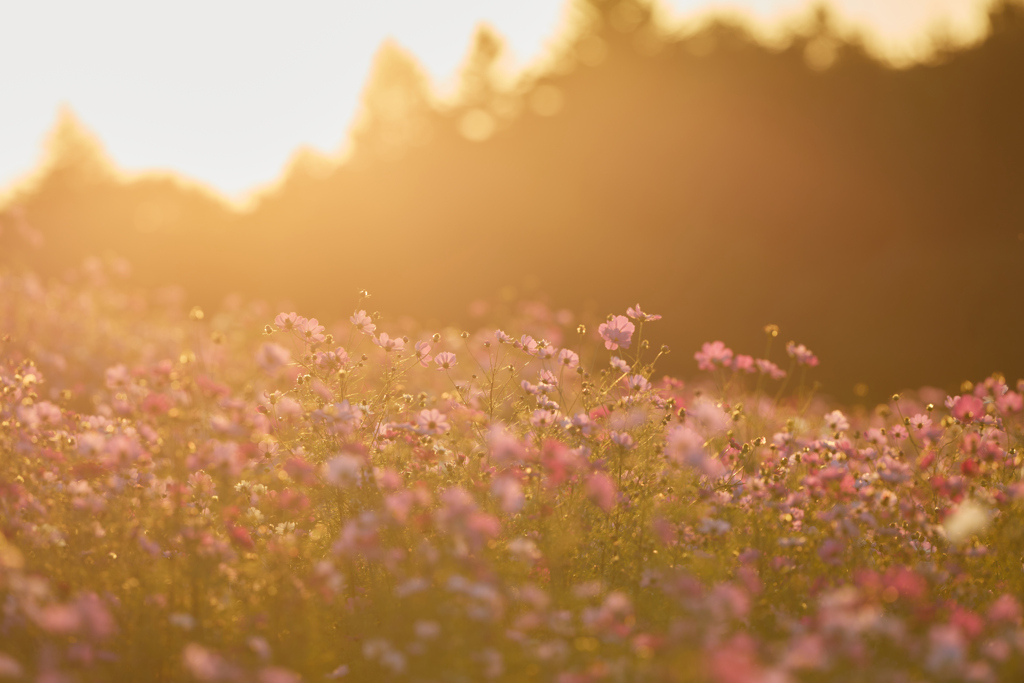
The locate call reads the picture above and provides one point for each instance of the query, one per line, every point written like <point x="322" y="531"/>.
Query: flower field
<point x="252" y="495"/>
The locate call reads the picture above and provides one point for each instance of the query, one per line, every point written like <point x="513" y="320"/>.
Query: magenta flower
<point x="637" y="314"/>
<point x="363" y="322"/>
<point x="713" y="355"/>
<point x="389" y="344"/>
<point x="616" y="332"/>
<point x="445" y="360"/>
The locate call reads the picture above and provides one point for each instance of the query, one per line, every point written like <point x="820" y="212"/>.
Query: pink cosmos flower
<point x="685" y="446"/>
<point x="616" y="332"/>
<point x="1010" y="402"/>
<point x="423" y="353"/>
<point x="545" y="350"/>
<point x="526" y="343"/>
<point x="548" y="377"/>
<point x="502" y="337"/>
<point x="766" y="367"/>
<point x="637" y="314"/>
<point x="712" y="355"/>
<point x="619" y="364"/>
<point x="363" y="322"/>
<point x="920" y="422"/>
<point x="332" y="360"/>
<point x="543" y="418"/>
<point x="389" y="344"/>
<point x="311" y="331"/>
<point x="967" y="408"/>
<point x="288" y="321"/>
<point x="802" y="354"/>
<point x="601" y="490"/>
<point x="432" y="421"/>
<point x="583" y="423"/>
<point x="569" y="359"/>
<point x="622" y="439"/>
<point x="744" y="364"/>
<point x="272" y="357"/>
<point x="837" y="422"/>
<point x="510" y="492"/>
<point x="117" y="377"/>
<point x="445" y="360"/>
<point x="638" y="383"/>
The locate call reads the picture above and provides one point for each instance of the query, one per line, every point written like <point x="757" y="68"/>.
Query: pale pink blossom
<point x="622" y="439"/>
<point x="503" y="338"/>
<point x="272" y="357"/>
<point x="568" y="358"/>
<point x="766" y="367"/>
<point x="616" y="332"/>
<point x="836" y="421"/>
<point x="432" y="421"/>
<point x="619" y="365"/>
<point x="423" y="353"/>
<point x="713" y="355"/>
<point x="526" y="343"/>
<point x="638" y="314"/>
<point x="685" y="446"/>
<point x="311" y="331"/>
<point x="744" y="364"/>
<point x="638" y="383"/>
<point x="445" y="360"/>
<point x="802" y="354"/>
<point x="289" y="321"/>
<point x="543" y="418"/>
<point x="920" y="422"/>
<point x="601" y="490"/>
<point x="389" y="344"/>
<point x="363" y="322"/>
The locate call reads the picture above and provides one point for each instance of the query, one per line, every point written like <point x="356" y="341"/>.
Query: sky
<point x="225" y="91"/>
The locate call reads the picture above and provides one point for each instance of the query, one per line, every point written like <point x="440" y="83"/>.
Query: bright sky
<point x="224" y="91"/>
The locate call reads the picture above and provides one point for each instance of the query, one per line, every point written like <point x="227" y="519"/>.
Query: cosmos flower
<point x="445" y="360"/>
<point x="617" y="332"/>
<point x="363" y="322"/>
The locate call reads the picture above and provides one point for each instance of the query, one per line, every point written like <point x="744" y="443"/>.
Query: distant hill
<point x="875" y="214"/>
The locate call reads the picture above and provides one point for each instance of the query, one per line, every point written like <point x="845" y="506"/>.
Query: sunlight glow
<point x="226" y="92"/>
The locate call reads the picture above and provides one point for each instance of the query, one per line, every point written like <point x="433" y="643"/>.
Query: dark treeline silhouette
<point x="875" y="214"/>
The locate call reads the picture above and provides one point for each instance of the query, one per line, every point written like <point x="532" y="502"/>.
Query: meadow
<point x="248" y="494"/>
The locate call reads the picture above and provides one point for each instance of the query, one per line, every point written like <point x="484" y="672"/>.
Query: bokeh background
<point x="870" y="203"/>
